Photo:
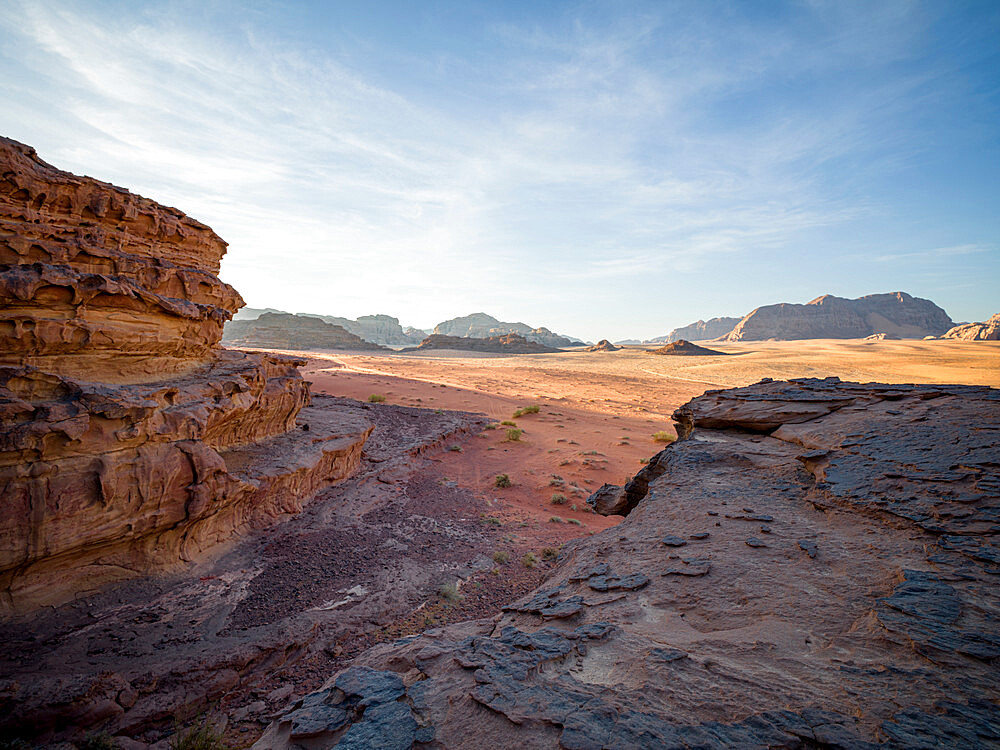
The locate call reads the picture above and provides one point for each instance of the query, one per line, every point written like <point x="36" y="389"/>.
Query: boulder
<point x="988" y="330"/>
<point x="686" y="348"/>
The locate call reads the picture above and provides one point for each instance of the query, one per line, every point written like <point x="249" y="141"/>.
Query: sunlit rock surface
<point x="128" y="436"/>
<point x="814" y="564"/>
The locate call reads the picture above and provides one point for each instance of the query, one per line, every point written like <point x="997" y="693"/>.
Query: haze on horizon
<point x="607" y="170"/>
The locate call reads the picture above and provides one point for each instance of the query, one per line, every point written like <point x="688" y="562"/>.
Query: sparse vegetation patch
<point x="664" y="437"/>
<point x="376" y="398"/>
<point x="450" y="593"/>
<point x="502" y="481"/>
<point x="205" y="736"/>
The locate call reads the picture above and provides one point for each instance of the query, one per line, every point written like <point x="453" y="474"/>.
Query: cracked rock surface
<point x="867" y="619"/>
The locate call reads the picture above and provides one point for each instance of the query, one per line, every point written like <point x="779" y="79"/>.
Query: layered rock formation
<point x="383" y="330"/>
<point x="295" y="332"/>
<point x="510" y="343"/>
<point x="483" y="326"/>
<point x="130" y="439"/>
<point x="685" y="348"/>
<point x="813" y="565"/>
<point x="603" y="346"/>
<point x="698" y="331"/>
<point x="830" y="317"/>
<point x="988" y="330"/>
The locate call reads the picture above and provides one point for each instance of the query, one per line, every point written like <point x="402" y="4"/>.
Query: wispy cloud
<point x="586" y="157"/>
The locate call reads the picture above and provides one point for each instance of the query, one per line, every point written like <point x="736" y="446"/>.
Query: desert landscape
<point x="460" y="375"/>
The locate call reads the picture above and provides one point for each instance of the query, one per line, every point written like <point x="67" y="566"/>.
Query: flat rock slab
<point x="887" y="639"/>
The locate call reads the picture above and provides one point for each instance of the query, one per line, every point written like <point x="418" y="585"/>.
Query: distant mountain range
<point x="826" y="317"/>
<point x="896" y="314"/>
<point x="385" y="330"/>
<point x="483" y="326"/>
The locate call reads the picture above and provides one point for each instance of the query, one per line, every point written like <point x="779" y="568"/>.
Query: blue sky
<point x="607" y="169"/>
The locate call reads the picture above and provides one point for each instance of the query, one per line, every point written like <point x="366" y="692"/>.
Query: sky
<point x="607" y="169"/>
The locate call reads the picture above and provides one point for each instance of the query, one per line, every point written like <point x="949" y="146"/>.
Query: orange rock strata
<point x="130" y="440"/>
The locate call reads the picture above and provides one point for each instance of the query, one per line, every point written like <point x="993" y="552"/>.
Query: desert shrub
<point x="502" y="481"/>
<point x="455" y="448"/>
<point x="574" y="521"/>
<point x="508" y="423"/>
<point x="558" y="499"/>
<point x="450" y="593"/>
<point x="376" y="398"/>
<point x="525" y="410"/>
<point x="529" y="560"/>
<point x="557" y="481"/>
<point x="664" y="437"/>
<point x="205" y="736"/>
<point x="98" y="741"/>
<point x="549" y="553"/>
<point x="490" y="426"/>
<point x="555" y="519"/>
<point x="514" y="434"/>
<point x="501" y="557"/>
<point x="491" y="520"/>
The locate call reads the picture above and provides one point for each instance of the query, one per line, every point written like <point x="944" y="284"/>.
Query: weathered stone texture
<point x="812" y="565"/>
<point x="122" y="419"/>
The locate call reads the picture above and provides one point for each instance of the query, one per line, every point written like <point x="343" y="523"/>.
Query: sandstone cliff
<point x="830" y="317"/>
<point x="698" y="331"/>
<point x="483" y="326"/>
<point x="986" y="331"/>
<point x="812" y="565"/>
<point x="130" y="440"/>
<point x="295" y="332"/>
<point x="510" y="343"/>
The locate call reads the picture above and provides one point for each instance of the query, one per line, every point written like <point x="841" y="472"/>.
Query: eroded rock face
<point x="986" y="331"/>
<point x="830" y="317"/>
<point x="510" y="343"/>
<point x="701" y="330"/>
<point x="813" y="565"/>
<point x="126" y="429"/>
<point x="295" y="332"/>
